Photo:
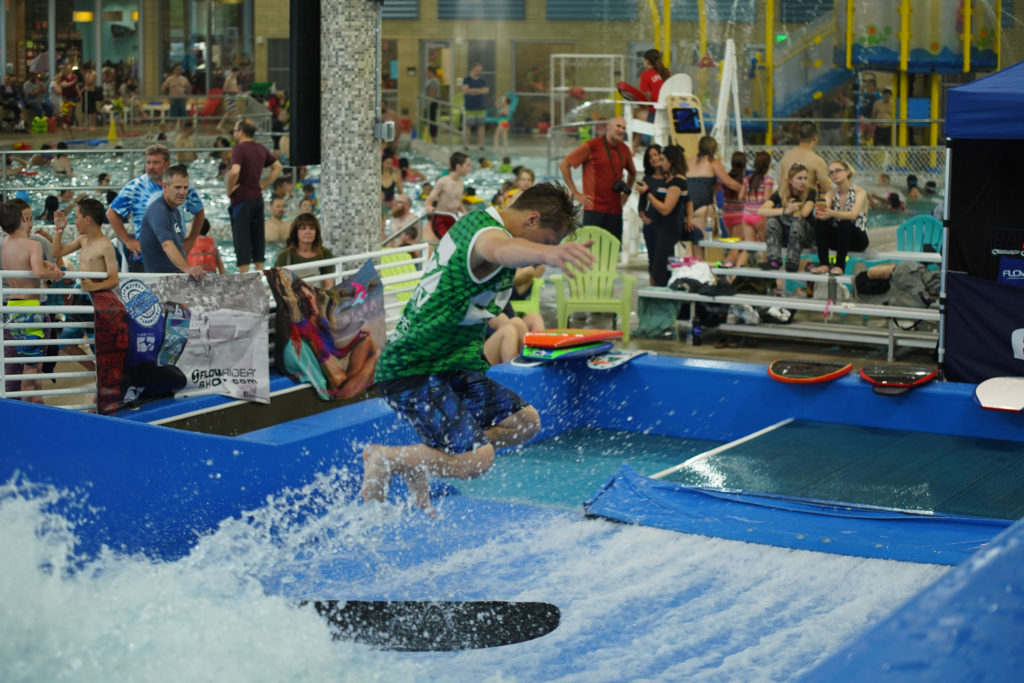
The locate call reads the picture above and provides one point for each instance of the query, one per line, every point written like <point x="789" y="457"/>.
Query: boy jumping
<point x="432" y="370"/>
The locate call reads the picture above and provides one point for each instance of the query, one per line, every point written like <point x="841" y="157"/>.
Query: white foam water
<point x="637" y="603"/>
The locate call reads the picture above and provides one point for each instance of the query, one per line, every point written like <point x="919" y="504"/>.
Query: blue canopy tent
<point x="982" y="333"/>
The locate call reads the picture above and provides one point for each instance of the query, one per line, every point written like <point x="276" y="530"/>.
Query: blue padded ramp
<point x="791" y="522"/>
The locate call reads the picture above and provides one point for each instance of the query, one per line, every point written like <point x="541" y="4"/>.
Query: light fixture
<point x="135" y="15"/>
<point x="81" y="17"/>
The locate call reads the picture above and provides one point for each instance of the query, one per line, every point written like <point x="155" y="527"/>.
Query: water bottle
<point x="698" y="335"/>
<point x="709" y="226"/>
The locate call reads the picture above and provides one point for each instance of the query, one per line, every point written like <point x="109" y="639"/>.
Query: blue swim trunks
<point x="450" y="411"/>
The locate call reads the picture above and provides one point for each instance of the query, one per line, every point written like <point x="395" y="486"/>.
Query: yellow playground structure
<point x="797" y="67"/>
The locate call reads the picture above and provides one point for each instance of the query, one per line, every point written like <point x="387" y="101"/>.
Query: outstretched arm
<point x="494" y="246"/>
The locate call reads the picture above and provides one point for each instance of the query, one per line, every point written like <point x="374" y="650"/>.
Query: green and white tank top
<point x="444" y="323"/>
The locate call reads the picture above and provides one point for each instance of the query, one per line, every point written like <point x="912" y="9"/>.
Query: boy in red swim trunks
<point x="432" y="370"/>
<point x="444" y="203"/>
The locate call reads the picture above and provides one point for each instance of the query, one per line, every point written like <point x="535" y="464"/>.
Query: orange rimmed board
<point x="565" y="338"/>
<point x="793" y="371"/>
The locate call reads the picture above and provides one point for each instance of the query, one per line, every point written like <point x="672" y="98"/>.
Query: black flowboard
<point x="794" y="371"/>
<point x="892" y="380"/>
<point x="421" y="626"/>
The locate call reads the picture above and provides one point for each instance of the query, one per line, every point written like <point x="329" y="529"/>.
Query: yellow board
<point x="686" y="122"/>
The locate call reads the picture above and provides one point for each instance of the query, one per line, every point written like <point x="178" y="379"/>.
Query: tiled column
<point x="349" y="192"/>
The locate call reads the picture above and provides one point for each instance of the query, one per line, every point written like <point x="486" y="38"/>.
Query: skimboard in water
<point x="612" y="359"/>
<point x="558" y="339"/>
<point x="793" y="371"/>
<point x="892" y="380"/>
<point x="421" y="626"/>
<point x="1001" y="393"/>
<point x="581" y="351"/>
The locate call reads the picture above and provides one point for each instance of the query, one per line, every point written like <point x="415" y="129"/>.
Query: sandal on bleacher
<point x="819" y="269"/>
<point x="728" y="264"/>
<point x="836" y="270"/>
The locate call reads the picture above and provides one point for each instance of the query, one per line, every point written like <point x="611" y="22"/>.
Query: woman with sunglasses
<point x="842" y="220"/>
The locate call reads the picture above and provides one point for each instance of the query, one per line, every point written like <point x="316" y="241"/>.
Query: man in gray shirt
<point x="162" y="233"/>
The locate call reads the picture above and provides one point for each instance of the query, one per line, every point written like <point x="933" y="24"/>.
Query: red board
<point x="892" y="380"/>
<point x="629" y="92"/>
<point x="560" y="339"/>
<point x="806" y="371"/>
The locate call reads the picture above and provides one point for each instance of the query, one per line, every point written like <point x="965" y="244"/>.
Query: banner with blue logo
<point x="188" y="338"/>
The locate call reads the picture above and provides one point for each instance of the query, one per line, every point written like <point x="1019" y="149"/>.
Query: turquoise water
<point x="935" y="473"/>
<point x="568" y="469"/>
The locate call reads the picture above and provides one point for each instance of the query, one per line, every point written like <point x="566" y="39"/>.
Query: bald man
<point x="604" y="189"/>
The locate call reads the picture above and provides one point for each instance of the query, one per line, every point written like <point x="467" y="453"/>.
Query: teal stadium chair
<point x="914" y="233"/>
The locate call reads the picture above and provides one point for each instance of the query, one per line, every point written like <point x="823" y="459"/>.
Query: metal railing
<point x="158" y="108"/>
<point x="130" y="164"/>
<point x="450" y="120"/>
<point x="342" y="266"/>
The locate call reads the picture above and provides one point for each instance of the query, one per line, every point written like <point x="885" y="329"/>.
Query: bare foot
<point x="376" y="475"/>
<point x="836" y="270"/>
<point x="419" y="487"/>
<point x="819" y="270"/>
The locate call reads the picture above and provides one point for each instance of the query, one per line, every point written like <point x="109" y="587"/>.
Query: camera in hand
<point x="620" y="186"/>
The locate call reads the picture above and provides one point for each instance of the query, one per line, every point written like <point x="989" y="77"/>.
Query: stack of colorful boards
<point x="550" y="345"/>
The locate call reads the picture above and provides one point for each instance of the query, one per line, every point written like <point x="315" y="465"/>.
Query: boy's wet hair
<point x="92" y="209"/>
<point x="555" y="205"/>
<point x="456" y="160"/>
<point x="10" y="217"/>
<point x="21" y="204"/>
<point x="806" y="131"/>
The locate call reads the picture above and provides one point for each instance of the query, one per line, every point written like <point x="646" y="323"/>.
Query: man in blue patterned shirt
<point x="135" y="198"/>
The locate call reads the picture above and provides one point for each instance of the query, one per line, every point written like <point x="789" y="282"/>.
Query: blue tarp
<point x="988" y="108"/>
<point x="792" y="522"/>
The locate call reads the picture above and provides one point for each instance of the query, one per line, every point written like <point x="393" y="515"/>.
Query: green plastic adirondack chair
<point x="593" y="291"/>
<point x="532" y="303"/>
<point x="914" y="233"/>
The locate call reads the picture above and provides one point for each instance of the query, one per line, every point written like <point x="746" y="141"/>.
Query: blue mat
<point x="792" y="522"/>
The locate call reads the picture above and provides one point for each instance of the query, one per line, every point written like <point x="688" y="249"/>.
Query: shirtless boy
<point x="97" y="251"/>
<point x="444" y="203"/>
<point x="98" y="256"/>
<point x="432" y="370"/>
<point x="22" y="253"/>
